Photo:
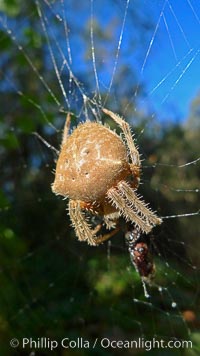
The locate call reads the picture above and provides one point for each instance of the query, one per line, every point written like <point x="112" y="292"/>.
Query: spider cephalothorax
<point x="99" y="172"/>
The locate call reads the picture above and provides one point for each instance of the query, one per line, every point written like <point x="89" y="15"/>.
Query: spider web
<point x="139" y="59"/>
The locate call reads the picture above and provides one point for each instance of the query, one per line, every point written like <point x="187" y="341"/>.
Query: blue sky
<point x="173" y="57"/>
<point x="175" y="50"/>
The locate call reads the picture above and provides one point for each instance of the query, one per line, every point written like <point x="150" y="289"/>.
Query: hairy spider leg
<point x="111" y="219"/>
<point x="78" y="220"/>
<point x="136" y="203"/>
<point x="134" y="154"/>
<point x="126" y="210"/>
<point x="66" y="129"/>
<point x="125" y="198"/>
<point x="132" y="208"/>
<point x="83" y="229"/>
<point x="107" y="236"/>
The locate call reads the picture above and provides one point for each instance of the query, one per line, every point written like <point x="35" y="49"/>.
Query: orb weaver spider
<point x="100" y="172"/>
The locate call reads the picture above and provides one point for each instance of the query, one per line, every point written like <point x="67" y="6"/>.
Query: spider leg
<point x="105" y="237"/>
<point x="83" y="229"/>
<point x="126" y="209"/>
<point x="136" y="203"/>
<point x="66" y="129"/>
<point x="111" y="219"/>
<point x="134" y="154"/>
<point x="134" y="206"/>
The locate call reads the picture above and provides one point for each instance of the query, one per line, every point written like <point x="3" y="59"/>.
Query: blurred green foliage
<point x="51" y="284"/>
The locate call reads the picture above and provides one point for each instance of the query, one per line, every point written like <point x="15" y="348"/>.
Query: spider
<point x="100" y="172"/>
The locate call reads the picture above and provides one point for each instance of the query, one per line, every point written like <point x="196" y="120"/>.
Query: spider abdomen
<point x="93" y="160"/>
